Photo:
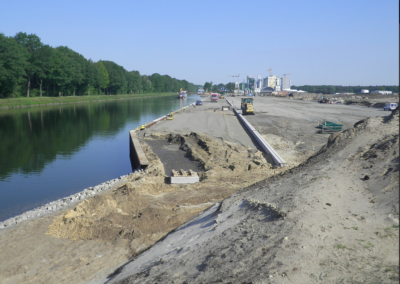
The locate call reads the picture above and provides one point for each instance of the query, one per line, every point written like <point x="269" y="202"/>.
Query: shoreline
<point x="66" y="202"/>
<point x="77" y="102"/>
<point x="62" y="203"/>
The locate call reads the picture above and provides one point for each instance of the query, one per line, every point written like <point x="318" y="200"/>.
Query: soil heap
<point x="332" y="219"/>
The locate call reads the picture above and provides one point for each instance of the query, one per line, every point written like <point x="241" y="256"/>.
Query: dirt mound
<point x="217" y="154"/>
<point x="379" y="128"/>
<point x="147" y="207"/>
<point x="333" y="219"/>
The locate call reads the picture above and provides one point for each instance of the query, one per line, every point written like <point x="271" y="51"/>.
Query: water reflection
<point x="50" y="152"/>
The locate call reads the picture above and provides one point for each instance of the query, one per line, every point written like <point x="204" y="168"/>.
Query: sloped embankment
<point x="332" y="219"/>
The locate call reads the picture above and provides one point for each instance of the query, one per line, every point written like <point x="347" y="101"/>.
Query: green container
<point x="330" y="125"/>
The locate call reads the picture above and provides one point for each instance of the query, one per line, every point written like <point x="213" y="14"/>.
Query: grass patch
<point x="340" y="246"/>
<point x="369" y="245"/>
<point x="388" y="233"/>
<point x="39" y="101"/>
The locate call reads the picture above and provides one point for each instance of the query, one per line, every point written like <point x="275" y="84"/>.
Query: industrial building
<point x="286" y="83"/>
<point x="259" y="85"/>
<point x="250" y="85"/>
<point x="273" y="82"/>
<point x="269" y="84"/>
<point x="383" y="92"/>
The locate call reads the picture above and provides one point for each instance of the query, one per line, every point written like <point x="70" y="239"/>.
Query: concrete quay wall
<point x="261" y="141"/>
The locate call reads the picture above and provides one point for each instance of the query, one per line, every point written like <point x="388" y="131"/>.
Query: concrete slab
<point x="184" y="177"/>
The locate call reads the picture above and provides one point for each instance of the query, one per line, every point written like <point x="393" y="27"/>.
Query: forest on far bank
<point x="332" y="89"/>
<point x="29" y="68"/>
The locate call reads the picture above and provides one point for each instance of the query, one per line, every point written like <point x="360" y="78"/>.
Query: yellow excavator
<point x="247" y="106"/>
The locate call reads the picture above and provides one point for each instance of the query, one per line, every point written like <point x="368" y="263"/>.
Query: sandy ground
<point x="332" y="219"/>
<point x="277" y="222"/>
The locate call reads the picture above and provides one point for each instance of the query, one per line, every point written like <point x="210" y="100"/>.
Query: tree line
<point x="208" y="86"/>
<point x="30" y="68"/>
<point x="331" y="89"/>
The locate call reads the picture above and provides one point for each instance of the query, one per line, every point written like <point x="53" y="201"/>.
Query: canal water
<point x="47" y="153"/>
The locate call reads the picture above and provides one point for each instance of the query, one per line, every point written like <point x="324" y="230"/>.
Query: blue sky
<point x="353" y="42"/>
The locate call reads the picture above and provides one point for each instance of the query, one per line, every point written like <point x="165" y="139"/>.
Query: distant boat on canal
<point x="182" y="94"/>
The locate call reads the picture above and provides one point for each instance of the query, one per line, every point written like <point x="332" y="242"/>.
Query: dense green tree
<point x="104" y="78"/>
<point x="157" y="81"/>
<point x="92" y="76"/>
<point x="13" y="62"/>
<point x="215" y="88"/>
<point x="147" y="84"/>
<point x="32" y="43"/>
<point x="230" y="87"/>
<point x="28" y="65"/>
<point x="42" y="58"/>
<point x="61" y="73"/>
<point x="207" y="86"/>
<point x="136" y="82"/>
<point x="117" y="78"/>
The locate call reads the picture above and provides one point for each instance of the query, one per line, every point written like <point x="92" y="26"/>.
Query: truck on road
<point x="214" y="97"/>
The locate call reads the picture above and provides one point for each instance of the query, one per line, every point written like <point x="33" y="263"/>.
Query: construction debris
<point x="182" y="176"/>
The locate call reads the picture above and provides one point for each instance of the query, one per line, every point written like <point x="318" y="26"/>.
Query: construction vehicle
<point x="247" y="106"/>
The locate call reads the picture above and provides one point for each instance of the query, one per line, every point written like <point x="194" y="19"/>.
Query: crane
<point x="269" y="71"/>
<point x="287" y="74"/>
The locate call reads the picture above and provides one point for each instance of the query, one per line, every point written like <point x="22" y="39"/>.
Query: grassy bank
<point x="42" y="101"/>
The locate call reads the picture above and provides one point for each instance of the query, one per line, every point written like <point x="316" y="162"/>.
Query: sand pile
<point x="333" y="219"/>
<point x="147" y="207"/>
<point x="218" y="155"/>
